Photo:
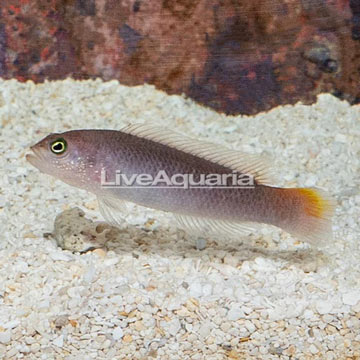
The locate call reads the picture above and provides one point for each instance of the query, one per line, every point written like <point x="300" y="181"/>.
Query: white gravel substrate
<point x="151" y="294"/>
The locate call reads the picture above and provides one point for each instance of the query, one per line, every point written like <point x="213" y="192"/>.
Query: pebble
<point x="127" y="338"/>
<point x="59" y="341"/>
<point x="11" y="324"/>
<point x="250" y="326"/>
<point x="59" y="256"/>
<point x="100" y="252"/>
<point x="205" y="329"/>
<point x="225" y="326"/>
<point x="195" y="289"/>
<point x="235" y="314"/>
<point x="323" y="307"/>
<point x="5" y="337"/>
<point x="174" y="327"/>
<point x="34" y="348"/>
<point x="308" y="314"/>
<point x="118" y="333"/>
<point x="311" y="180"/>
<point x="341" y="138"/>
<point x="313" y="349"/>
<point x="351" y="297"/>
<point x="12" y="352"/>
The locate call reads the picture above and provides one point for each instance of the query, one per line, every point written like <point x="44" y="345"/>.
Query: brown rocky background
<point x="235" y="56"/>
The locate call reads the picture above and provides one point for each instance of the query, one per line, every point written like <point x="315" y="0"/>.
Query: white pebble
<point x="59" y="341"/>
<point x="35" y="347"/>
<point x="59" y="256"/>
<point x="174" y="326"/>
<point x="5" y="337"/>
<point x="235" y="313"/>
<point x="341" y="138"/>
<point x="313" y="349"/>
<point x="351" y="297"/>
<point x="11" y="324"/>
<point x="195" y="289"/>
<point x="311" y="180"/>
<point x="207" y="290"/>
<point x="205" y="329"/>
<point x="111" y="262"/>
<point x="89" y="274"/>
<point x="250" y="326"/>
<point x="118" y="333"/>
<point x="323" y="306"/>
<point x="308" y="314"/>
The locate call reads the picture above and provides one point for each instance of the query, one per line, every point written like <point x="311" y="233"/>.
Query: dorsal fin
<point x="243" y="163"/>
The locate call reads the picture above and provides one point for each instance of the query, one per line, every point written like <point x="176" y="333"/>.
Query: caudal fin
<point x="313" y="224"/>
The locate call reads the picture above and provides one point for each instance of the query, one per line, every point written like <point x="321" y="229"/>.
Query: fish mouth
<point x="31" y="158"/>
<point x="34" y="158"/>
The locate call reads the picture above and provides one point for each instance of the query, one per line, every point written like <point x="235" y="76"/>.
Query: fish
<point x="209" y="189"/>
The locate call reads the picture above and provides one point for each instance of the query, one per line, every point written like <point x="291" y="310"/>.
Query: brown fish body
<point x="93" y="153"/>
<point x="136" y="155"/>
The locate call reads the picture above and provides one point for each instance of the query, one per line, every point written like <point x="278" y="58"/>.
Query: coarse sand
<point x="152" y="294"/>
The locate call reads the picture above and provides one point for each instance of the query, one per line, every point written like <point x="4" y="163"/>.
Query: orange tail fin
<point x="314" y="222"/>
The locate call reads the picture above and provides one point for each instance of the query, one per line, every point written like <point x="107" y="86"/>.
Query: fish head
<point x="67" y="156"/>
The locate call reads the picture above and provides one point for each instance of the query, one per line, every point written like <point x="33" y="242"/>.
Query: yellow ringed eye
<point x="58" y="146"/>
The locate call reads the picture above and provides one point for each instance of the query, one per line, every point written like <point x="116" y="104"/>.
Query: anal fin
<point x="204" y="227"/>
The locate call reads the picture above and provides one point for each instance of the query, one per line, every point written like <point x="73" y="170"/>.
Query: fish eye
<point x="58" y="146"/>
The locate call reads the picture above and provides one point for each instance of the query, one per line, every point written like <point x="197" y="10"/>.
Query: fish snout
<point x="33" y="157"/>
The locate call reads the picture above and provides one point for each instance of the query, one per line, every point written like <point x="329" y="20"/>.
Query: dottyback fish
<point x="208" y="188"/>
